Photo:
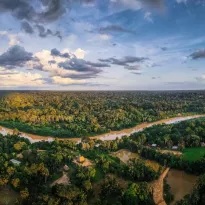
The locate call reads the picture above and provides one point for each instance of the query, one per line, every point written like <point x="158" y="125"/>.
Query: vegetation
<point x="186" y="134"/>
<point x="73" y="114"/>
<point x="77" y="114"/>
<point x="194" y="154"/>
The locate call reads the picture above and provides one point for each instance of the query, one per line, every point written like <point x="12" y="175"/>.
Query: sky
<point x="102" y="44"/>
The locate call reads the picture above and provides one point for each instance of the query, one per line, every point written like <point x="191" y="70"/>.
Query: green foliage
<point x="78" y="114"/>
<point x="193" y="154"/>
<point x="188" y="133"/>
<point x="138" y="194"/>
<point x="168" y="196"/>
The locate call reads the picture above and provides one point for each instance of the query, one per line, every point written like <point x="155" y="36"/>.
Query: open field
<point x="193" y="154"/>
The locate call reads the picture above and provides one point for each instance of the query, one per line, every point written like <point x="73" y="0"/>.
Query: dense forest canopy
<point x="77" y="114"/>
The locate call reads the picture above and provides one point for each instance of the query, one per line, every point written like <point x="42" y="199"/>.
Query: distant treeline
<point x="76" y="114"/>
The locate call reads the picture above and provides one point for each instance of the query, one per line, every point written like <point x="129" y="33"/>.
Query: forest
<point x="80" y="114"/>
<point x="93" y="175"/>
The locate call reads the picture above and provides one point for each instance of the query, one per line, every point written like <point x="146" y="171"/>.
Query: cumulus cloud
<point x="52" y="62"/>
<point x="15" y="56"/>
<point x="64" y="81"/>
<point x="73" y="67"/>
<point x="13" y="38"/>
<point x="123" y="61"/>
<point x="14" y="78"/>
<point x="198" y="54"/>
<point x="21" y="9"/>
<point x="82" y="66"/>
<point x="56" y="52"/>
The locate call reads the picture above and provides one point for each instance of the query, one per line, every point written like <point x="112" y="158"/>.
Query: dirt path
<point x="158" y="189"/>
<point x="109" y="136"/>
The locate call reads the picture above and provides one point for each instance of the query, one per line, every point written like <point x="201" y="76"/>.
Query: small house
<point x="16" y="162"/>
<point x="154" y="145"/>
<point x="81" y="159"/>
<point x="175" y="147"/>
<point x="19" y="156"/>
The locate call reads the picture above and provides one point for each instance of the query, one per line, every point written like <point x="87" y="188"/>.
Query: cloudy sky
<point x="102" y="44"/>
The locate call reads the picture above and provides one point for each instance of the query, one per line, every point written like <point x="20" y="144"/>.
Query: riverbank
<point x="108" y="136"/>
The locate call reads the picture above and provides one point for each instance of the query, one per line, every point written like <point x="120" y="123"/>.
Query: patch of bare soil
<point x="177" y="153"/>
<point x="86" y="163"/>
<point x="63" y="180"/>
<point x="158" y="189"/>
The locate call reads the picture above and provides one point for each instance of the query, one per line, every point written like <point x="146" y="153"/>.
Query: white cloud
<point x="13" y="38"/>
<point x="148" y="16"/>
<point x="65" y="81"/>
<point x="14" y="78"/>
<point x="105" y="37"/>
<point x="201" y="78"/>
<point x="181" y="1"/>
<point x="126" y="4"/>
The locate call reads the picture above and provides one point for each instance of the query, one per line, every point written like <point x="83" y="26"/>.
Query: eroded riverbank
<point x="108" y="136"/>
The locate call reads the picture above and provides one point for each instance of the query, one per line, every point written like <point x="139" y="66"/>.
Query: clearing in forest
<point x="193" y="154"/>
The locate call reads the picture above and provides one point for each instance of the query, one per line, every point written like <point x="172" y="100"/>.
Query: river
<point x="108" y="136"/>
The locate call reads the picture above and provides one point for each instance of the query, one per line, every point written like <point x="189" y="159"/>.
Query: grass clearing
<point x="99" y="175"/>
<point x="193" y="154"/>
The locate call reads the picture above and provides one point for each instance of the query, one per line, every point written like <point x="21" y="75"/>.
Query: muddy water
<point x="109" y="136"/>
<point x="8" y="197"/>
<point x="181" y="183"/>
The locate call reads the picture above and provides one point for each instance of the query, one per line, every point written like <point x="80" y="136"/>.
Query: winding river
<point x="109" y="136"/>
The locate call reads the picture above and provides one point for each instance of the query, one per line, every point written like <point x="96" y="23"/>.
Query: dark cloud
<point x="43" y="32"/>
<point x="198" y="54"/>
<point x="137" y="73"/>
<point x="135" y="67"/>
<point x="55" y="9"/>
<point x="123" y="61"/>
<point x="114" y="28"/>
<point x="25" y="26"/>
<point x="80" y="76"/>
<point x="81" y="65"/>
<point x="154" y="78"/>
<point x="164" y="48"/>
<point x="85" y="69"/>
<point x="24" y="9"/>
<point x="52" y="62"/>
<point x="55" y="52"/>
<point x="15" y="56"/>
